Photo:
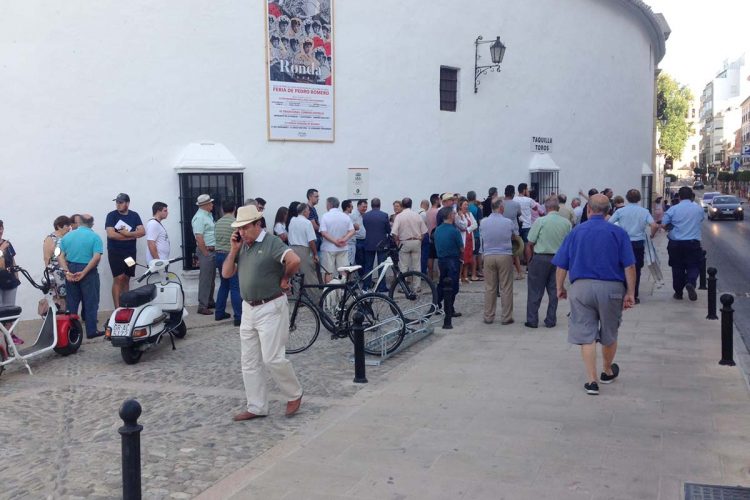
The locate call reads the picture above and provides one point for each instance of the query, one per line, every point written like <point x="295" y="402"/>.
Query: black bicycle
<point x="384" y="322"/>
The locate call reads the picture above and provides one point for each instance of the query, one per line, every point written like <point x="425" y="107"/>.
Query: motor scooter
<point x="60" y="331"/>
<point x="149" y="312"/>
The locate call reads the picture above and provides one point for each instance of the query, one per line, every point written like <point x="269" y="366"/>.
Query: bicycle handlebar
<point x="43" y="287"/>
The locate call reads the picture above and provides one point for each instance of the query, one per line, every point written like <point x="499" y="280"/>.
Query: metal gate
<point x="544" y="184"/>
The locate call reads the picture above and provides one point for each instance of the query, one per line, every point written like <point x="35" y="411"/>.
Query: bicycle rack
<point x="416" y="330"/>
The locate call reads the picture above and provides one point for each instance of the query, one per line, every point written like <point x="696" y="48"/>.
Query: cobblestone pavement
<point x="59" y="438"/>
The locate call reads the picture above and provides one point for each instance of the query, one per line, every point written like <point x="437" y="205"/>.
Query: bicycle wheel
<point x="383" y="321"/>
<point x="415" y="294"/>
<point x="304" y="325"/>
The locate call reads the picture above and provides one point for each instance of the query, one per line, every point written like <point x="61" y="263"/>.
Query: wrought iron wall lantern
<point x="497" y="52"/>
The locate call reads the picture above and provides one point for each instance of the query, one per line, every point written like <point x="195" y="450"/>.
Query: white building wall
<point x="101" y="98"/>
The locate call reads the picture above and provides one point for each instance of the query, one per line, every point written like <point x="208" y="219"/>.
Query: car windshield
<point x="719" y="200"/>
<point x="709" y="196"/>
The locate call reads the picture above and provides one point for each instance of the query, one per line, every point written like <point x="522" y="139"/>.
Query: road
<point x="727" y="243"/>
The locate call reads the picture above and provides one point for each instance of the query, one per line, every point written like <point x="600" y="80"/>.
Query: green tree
<point x="672" y="104"/>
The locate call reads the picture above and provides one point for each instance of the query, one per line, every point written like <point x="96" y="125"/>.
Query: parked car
<point x="698" y="185"/>
<point x="706" y="200"/>
<point x="727" y="207"/>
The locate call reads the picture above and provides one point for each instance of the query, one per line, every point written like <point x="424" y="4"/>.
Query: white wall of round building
<point x="101" y="98"/>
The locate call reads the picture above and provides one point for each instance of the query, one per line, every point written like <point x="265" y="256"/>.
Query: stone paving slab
<point x="490" y="411"/>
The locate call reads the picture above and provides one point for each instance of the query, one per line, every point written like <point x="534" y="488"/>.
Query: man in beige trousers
<point x="497" y="251"/>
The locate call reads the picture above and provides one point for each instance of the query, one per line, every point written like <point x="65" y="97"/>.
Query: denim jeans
<point x="425" y="252"/>
<point x="86" y="291"/>
<point x="227" y="287"/>
<point x="370" y="256"/>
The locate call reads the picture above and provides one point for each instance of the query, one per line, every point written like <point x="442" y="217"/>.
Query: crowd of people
<point x="597" y="245"/>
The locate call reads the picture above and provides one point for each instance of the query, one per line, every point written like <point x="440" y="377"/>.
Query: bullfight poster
<point x="299" y="43"/>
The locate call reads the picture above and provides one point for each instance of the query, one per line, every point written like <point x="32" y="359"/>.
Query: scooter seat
<point x="138" y="297"/>
<point x="7" y="311"/>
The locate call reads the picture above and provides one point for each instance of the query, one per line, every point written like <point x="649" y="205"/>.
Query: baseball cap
<point x="122" y="197"/>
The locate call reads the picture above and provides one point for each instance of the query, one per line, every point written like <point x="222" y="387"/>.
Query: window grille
<point x="220" y="187"/>
<point x="448" y="88"/>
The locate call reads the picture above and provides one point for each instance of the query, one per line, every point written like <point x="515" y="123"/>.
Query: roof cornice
<point x="656" y="25"/>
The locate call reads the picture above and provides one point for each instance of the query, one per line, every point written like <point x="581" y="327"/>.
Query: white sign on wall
<point x="358" y="183"/>
<point x="541" y="144"/>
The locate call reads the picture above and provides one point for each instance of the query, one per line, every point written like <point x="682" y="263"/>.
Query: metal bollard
<point x="727" y="330"/>
<point x="702" y="276"/>
<point x="448" y="300"/>
<point x="131" y="450"/>
<point x="712" y="293"/>
<point x="358" y="331"/>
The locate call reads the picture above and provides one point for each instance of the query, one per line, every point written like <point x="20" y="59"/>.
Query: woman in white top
<point x="466" y="223"/>
<point x="279" y="224"/>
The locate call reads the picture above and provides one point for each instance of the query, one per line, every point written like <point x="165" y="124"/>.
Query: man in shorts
<point x="123" y="228"/>
<point x="601" y="263"/>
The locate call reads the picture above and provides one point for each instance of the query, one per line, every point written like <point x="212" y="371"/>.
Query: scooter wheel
<point x="131" y="355"/>
<point x="180" y="331"/>
<point x="75" y="337"/>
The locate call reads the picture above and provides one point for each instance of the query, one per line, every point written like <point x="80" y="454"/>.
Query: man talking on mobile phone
<point x="265" y="265"/>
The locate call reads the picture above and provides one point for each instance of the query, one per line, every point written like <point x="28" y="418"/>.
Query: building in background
<point x="167" y="100"/>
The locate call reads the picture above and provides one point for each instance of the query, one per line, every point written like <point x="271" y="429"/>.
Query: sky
<point x="705" y="33"/>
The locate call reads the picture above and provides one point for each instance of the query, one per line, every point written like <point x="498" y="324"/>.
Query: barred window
<point x="220" y="186"/>
<point x="448" y="88"/>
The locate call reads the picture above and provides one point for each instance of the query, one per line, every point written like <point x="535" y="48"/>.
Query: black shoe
<point x="591" y="388"/>
<point x="237" y="322"/>
<point x="608" y="379"/>
<point x="95" y="335"/>
<point x="637" y="300"/>
<point x="530" y="325"/>
<point x="691" y="292"/>
<point x="550" y="325"/>
<point x="457" y="314"/>
<point x="223" y="317"/>
<point x="447" y="327"/>
<point x="677" y="296"/>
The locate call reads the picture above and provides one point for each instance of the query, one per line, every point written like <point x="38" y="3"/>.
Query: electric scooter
<point x="149" y="312"/>
<point x="60" y="332"/>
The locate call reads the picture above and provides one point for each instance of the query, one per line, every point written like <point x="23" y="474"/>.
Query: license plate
<point x="120" y="330"/>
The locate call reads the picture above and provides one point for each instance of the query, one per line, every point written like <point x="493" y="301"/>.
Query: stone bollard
<point x="702" y="276"/>
<point x="358" y="333"/>
<point x="448" y="299"/>
<point x="712" y="293"/>
<point x="131" y="450"/>
<point x="727" y="330"/>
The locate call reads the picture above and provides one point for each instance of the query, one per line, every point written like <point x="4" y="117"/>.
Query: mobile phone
<point x="237" y="237"/>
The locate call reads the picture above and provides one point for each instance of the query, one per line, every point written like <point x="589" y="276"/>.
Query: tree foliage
<point x="672" y="104"/>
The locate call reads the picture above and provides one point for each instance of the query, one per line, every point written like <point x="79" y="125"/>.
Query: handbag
<point x="8" y="280"/>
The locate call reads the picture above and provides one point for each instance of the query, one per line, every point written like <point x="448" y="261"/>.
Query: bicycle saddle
<point x="349" y="269"/>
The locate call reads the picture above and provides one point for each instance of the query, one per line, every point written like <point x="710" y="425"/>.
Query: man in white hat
<point x="265" y="265"/>
<point x="205" y="240"/>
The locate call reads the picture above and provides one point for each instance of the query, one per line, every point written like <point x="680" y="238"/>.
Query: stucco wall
<point x="101" y="97"/>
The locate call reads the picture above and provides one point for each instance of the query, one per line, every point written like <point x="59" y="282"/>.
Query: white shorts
<point x="331" y="261"/>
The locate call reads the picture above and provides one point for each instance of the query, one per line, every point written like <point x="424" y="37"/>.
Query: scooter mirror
<point x="57" y="251"/>
<point x="130" y="261"/>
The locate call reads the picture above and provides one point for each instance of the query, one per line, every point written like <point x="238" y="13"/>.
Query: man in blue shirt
<point x="497" y="248"/>
<point x="684" y="223"/>
<point x="600" y="260"/>
<point x="377" y="229"/>
<point x="634" y="219"/>
<point x="449" y="247"/>
<point x="81" y="251"/>
<point x="124" y="227"/>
